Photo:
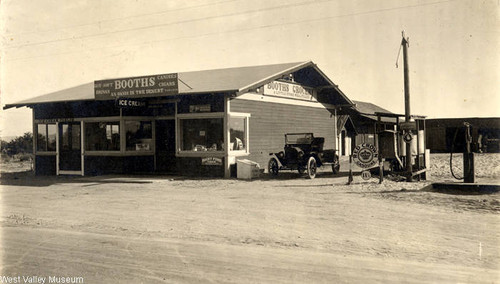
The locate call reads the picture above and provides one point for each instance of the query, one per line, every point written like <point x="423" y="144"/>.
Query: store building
<point x="190" y="123"/>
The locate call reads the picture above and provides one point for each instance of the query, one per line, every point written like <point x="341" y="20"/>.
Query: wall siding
<point x="270" y="121"/>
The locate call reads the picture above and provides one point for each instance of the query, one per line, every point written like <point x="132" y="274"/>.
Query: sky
<point x="454" y="53"/>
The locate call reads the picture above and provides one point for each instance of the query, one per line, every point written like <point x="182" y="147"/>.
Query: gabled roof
<point x="368" y="108"/>
<point x="369" y="111"/>
<point x="232" y="80"/>
<point x="77" y="93"/>
<point x="476" y="122"/>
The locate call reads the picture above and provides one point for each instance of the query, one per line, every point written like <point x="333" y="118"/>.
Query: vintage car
<point x="303" y="152"/>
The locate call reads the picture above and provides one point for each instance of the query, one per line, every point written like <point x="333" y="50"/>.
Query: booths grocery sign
<point x="290" y="91"/>
<point x="137" y="87"/>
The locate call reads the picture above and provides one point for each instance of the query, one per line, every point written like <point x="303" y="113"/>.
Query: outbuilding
<point x="445" y="135"/>
<point x="189" y="123"/>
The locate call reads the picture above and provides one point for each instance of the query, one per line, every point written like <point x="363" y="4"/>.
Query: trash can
<point x="246" y="169"/>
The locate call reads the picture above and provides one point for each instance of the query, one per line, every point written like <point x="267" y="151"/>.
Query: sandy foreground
<point x="168" y="229"/>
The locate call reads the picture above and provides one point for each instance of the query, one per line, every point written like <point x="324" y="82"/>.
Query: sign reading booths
<point x="289" y="90"/>
<point x="137" y="87"/>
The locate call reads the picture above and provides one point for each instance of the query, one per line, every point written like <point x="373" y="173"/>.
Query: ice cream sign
<point x="289" y="90"/>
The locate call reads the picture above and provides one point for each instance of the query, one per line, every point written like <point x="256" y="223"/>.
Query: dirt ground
<point x="169" y="229"/>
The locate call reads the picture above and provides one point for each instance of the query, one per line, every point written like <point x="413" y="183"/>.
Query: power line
<point x="121" y="18"/>
<point x="172" y="23"/>
<point x="244" y="29"/>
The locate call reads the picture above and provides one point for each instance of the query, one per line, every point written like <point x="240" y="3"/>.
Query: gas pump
<point x="468" y="156"/>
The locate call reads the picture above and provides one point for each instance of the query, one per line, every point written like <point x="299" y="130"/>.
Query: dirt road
<point x="167" y="229"/>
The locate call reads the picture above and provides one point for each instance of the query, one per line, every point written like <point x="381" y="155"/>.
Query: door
<point x="70" y="158"/>
<point x="165" y="145"/>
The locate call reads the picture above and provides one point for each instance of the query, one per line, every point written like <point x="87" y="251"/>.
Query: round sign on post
<point x="365" y="155"/>
<point x="407" y="137"/>
<point x="366" y="175"/>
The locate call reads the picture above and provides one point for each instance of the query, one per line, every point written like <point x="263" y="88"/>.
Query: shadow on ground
<point x="27" y="178"/>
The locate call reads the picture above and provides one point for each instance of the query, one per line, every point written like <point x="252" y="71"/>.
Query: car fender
<point x="273" y="156"/>
<point x="316" y="156"/>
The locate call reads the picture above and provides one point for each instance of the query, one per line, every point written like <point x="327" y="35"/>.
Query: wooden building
<point x="190" y="123"/>
<point x="448" y="134"/>
<point x="358" y="124"/>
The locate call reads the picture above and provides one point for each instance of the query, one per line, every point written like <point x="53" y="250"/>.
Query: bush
<point x="20" y="145"/>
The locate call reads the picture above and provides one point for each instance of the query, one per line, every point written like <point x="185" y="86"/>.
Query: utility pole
<point x="405" y="44"/>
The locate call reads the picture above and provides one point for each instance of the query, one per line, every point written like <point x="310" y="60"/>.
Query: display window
<point x="46" y="137"/>
<point x="139" y="135"/>
<point x="201" y="134"/>
<point x="237" y="133"/>
<point x="102" y="136"/>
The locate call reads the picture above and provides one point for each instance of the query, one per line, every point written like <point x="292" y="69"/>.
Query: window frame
<point x="246" y="117"/>
<point x="84" y="132"/>
<point x="45" y="151"/>
<point x="178" y="133"/>
<point x="123" y="138"/>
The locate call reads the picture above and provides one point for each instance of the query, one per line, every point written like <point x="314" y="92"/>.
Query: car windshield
<point x="299" y="138"/>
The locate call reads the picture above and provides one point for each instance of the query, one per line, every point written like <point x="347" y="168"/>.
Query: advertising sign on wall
<point x="137" y="87"/>
<point x="289" y="90"/>
<point x="129" y="103"/>
<point x="199" y="108"/>
<point x="365" y="155"/>
<point x="211" y="161"/>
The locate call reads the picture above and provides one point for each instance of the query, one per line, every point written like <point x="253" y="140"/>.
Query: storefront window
<point x="202" y="134"/>
<point x="139" y="135"/>
<point x="46" y="137"/>
<point x="237" y="133"/>
<point x="102" y="136"/>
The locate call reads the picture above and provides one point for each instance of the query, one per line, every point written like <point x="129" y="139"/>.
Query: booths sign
<point x="137" y="87"/>
<point x="290" y="91"/>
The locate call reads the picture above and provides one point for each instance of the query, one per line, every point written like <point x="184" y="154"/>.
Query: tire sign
<point x="366" y="175"/>
<point x="407" y="137"/>
<point x="365" y="155"/>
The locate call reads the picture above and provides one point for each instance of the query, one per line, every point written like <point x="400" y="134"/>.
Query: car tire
<point x="273" y="167"/>
<point x="312" y="167"/>
<point x="301" y="170"/>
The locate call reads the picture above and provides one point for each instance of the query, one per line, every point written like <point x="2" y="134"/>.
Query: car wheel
<point x="273" y="167"/>
<point x="336" y="166"/>
<point x="301" y="170"/>
<point x="311" y="168"/>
